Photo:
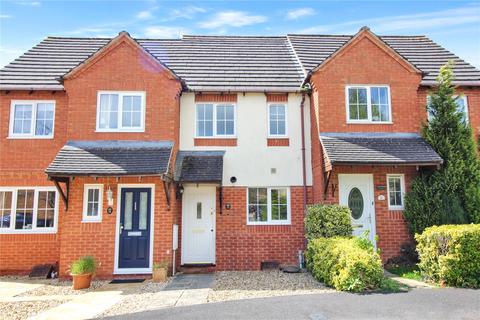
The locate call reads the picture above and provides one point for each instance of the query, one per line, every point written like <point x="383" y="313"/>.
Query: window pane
<point x="221" y="127"/>
<point x="5" y="208"/>
<point x="225" y="119"/>
<point x="362" y="112"/>
<point x="24" y="209"/>
<point x="204" y="120"/>
<point x="45" y="209"/>
<point x="131" y="111"/>
<point x="257" y="208"/>
<point x="142" y="220"/>
<point x="395" y="191"/>
<point x="22" y="122"/>
<point x="108" y="111"/>
<point x="462" y="108"/>
<point x="199" y="210"/>
<point x="93" y="204"/>
<point x="127" y="222"/>
<point x="277" y="120"/>
<point x="44" y="119"/>
<point x="357" y="98"/>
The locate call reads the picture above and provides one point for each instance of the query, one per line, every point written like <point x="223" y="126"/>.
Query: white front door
<point x="198" y="225"/>
<point x="356" y="192"/>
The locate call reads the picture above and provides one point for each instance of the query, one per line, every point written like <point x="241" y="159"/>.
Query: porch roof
<point x="199" y="166"/>
<point x="378" y="148"/>
<point x="111" y="158"/>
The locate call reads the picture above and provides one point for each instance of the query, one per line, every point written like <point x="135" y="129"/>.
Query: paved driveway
<point x="417" y="304"/>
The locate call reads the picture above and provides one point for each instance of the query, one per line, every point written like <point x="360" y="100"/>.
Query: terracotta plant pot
<point x="81" y="281"/>
<point x="159" y="275"/>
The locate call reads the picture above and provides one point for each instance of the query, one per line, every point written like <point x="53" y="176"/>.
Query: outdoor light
<point x="110" y="196"/>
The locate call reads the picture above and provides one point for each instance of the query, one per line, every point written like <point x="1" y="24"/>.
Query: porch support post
<point x="326" y="180"/>
<point x="63" y="194"/>
<point x="167" y="181"/>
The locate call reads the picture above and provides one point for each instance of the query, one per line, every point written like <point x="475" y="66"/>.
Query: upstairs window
<point x="215" y="120"/>
<point x="121" y="111"/>
<point x="277" y="120"/>
<point x="368" y="104"/>
<point x="32" y="119"/>
<point x="462" y="108"/>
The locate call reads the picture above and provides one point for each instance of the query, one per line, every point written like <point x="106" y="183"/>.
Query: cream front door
<point x="356" y="192"/>
<point x="198" y="225"/>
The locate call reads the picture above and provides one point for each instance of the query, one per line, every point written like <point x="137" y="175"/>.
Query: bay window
<point x="215" y="120"/>
<point x="28" y="209"/>
<point x="268" y="206"/>
<point x="32" y="119"/>
<point x="121" y="111"/>
<point x="368" y="104"/>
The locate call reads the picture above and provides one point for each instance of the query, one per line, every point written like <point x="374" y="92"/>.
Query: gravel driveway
<point x="234" y="285"/>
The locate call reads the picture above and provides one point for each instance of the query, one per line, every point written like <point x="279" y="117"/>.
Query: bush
<point x="347" y="264"/>
<point x="327" y="221"/>
<point x="84" y="265"/>
<point x="450" y="254"/>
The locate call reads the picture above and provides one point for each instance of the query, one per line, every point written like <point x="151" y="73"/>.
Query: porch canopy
<point x="112" y="158"/>
<point x="199" y="167"/>
<point x="377" y="149"/>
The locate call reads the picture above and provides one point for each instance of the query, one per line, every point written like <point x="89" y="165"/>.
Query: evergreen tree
<point x="451" y="194"/>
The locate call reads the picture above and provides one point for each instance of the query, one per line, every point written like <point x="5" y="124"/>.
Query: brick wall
<point x="243" y="247"/>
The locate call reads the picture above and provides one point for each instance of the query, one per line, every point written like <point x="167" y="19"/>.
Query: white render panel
<point x="251" y="160"/>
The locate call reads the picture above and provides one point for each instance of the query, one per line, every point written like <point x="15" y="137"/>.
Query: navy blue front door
<point x="135" y="210"/>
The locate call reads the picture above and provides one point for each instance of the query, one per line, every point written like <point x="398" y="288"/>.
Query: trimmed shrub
<point x="327" y="221"/>
<point x="450" y="254"/>
<point x="347" y="264"/>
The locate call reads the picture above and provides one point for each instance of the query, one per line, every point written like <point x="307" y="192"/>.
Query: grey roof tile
<point x="378" y="148"/>
<point x="111" y="158"/>
<point x="199" y="166"/>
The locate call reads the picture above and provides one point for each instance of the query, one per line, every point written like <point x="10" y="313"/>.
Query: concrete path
<point x="11" y="288"/>
<point x="187" y="289"/>
<point x="89" y="305"/>
<point x="409" y="282"/>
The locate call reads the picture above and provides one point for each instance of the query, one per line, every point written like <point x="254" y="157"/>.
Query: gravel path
<point x="23" y="310"/>
<point x="233" y="285"/>
<point x="138" y="300"/>
<point x="61" y="287"/>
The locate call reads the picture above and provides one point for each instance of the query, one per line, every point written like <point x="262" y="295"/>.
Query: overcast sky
<point x="453" y="24"/>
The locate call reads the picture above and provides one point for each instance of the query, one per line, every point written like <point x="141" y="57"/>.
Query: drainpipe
<point x="305" y="89"/>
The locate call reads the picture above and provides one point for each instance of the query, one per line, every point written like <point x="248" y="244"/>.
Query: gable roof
<point x="226" y="63"/>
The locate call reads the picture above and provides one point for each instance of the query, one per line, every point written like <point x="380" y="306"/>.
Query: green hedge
<point x="347" y="264"/>
<point x="450" y="254"/>
<point x="327" y="221"/>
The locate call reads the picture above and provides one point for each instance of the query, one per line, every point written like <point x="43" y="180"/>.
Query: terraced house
<point x="205" y="150"/>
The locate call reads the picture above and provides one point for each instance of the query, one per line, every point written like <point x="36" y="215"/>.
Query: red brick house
<point x="205" y="150"/>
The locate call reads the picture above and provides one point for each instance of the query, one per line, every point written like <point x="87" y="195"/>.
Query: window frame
<point x="402" y="186"/>
<point x="269" y="207"/>
<point x="35" y="229"/>
<point x="120" y="127"/>
<point x="456" y="97"/>
<point x="269" y="134"/>
<point x="214" y="129"/>
<point x="86" y="188"/>
<point x="31" y="135"/>
<point x="369" y="104"/>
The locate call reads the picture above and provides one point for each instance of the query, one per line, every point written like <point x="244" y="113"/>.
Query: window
<point x="277" y="121"/>
<point x="396" y="190"/>
<point x="268" y="206"/>
<point x="215" y="120"/>
<point x="32" y="119"/>
<point x="368" y="104"/>
<point x="28" y="209"/>
<point x="462" y="108"/>
<point x="92" y="202"/>
<point x="121" y="111"/>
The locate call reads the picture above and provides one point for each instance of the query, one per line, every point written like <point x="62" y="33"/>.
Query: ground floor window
<point x="28" y="209"/>
<point x="268" y="205"/>
<point x="396" y="190"/>
<point x="92" y="202"/>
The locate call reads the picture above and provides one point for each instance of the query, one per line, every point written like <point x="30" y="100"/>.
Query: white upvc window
<point x="462" y="107"/>
<point x="28" y="210"/>
<point x="277" y="120"/>
<point x="368" y="104"/>
<point x="215" y="120"/>
<point x="92" y="202"/>
<point x="32" y="119"/>
<point x="268" y="205"/>
<point x="396" y="191"/>
<point x="121" y="111"/>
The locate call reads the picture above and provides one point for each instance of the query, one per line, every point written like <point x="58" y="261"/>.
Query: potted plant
<point x="82" y="271"/>
<point x="160" y="271"/>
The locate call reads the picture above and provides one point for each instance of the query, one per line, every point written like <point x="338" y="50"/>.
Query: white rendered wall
<point x="251" y="160"/>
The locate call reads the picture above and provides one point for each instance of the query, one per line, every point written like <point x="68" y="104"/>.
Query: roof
<point x="378" y="148"/>
<point x="420" y="51"/>
<point x="199" y="166"/>
<point x="111" y="158"/>
<point x="226" y="63"/>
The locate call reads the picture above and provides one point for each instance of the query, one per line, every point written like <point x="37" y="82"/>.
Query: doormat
<point x="127" y="281"/>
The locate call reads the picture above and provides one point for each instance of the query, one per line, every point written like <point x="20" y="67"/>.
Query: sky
<point x="23" y="23"/>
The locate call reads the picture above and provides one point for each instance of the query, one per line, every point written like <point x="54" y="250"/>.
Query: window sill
<point x="119" y="131"/>
<point x="220" y="142"/>
<point x="91" y="221"/>
<point x="27" y="232"/>
<point x="269" y="223"/>
<point x="278" y="142"/>
<point x="396" y="208"/>
<point x="30" y="138"/>
<point x="369" y="122"/>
